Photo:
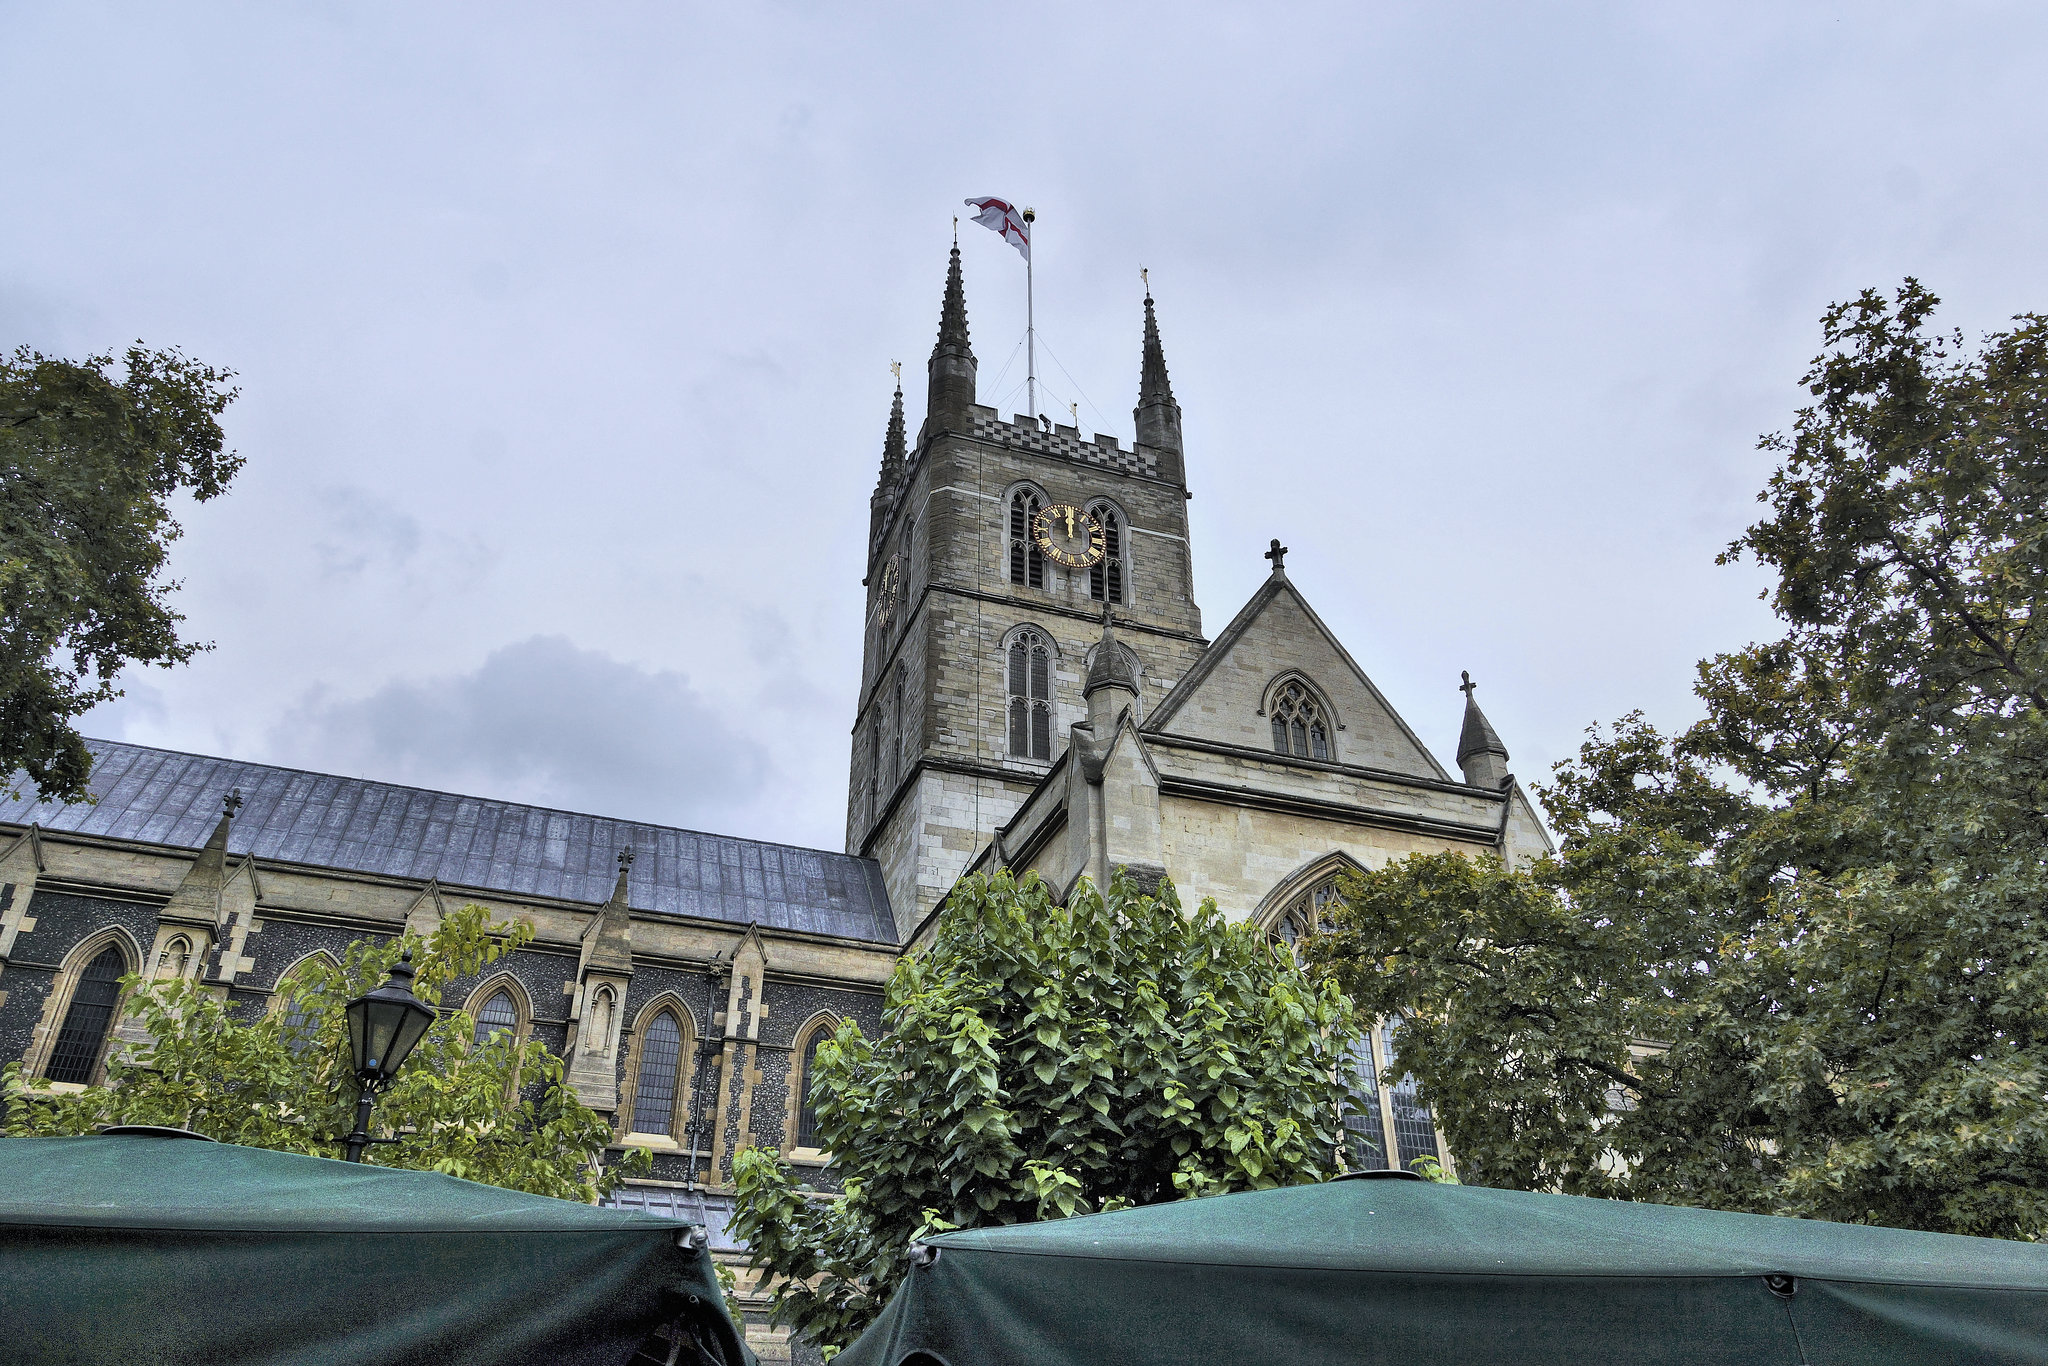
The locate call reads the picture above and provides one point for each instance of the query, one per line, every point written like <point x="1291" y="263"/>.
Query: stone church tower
<point x="978" y="642"/>
<point x="1037" y="693"/>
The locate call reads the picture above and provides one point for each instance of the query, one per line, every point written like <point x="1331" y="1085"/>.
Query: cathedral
<point x="1036" y="693"/>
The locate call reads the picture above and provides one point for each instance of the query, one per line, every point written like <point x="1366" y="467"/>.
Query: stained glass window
<point x="661" y="1056"/>
<point x="77" y="1054"/>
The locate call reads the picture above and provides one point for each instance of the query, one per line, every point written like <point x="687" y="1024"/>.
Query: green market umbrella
<point x="1393" y="1270"/>
<point x="165" y="1249"/>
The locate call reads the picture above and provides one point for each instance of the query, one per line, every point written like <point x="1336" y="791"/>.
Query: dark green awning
<point x="1401" y="1271"/>
<point x="123" y="1249"/>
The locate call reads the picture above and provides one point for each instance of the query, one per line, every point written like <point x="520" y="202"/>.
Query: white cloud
<point x="540" y="721"/>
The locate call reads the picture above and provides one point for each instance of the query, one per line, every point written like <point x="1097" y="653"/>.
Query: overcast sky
<point x="563" y="333"/>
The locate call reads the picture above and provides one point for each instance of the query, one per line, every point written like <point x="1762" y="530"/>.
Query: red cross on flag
<point x="997" y="216"/>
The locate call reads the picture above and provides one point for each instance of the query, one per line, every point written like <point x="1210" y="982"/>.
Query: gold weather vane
<point x="896" y="369"/>
<point x="1146" y="276"/>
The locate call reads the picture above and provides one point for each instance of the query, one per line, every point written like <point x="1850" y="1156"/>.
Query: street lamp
<point x="383" y="1027"/>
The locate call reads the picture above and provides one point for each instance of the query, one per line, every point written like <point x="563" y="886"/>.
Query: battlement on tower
<point x="1063" y="443"/>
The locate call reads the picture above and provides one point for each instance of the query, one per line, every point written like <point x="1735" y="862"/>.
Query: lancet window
<point x="77" y="1055"/>
<point x="1027" y="565"/>
<point x="1299" y="726"/>
<point x="1030" y="678"/>
<point x="807" y="1113"/>
<point x="497" y="1016"/>
<point x="660" y="1076"/>
<point x="1106" y="577"/>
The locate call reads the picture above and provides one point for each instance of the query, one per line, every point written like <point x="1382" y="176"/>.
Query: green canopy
<point x="134" y="1249"/>
<point x="1393" y="1270"/>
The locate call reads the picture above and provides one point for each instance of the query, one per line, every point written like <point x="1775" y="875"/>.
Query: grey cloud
<point x="363" y="528"/>
<point x="541" y="721"/>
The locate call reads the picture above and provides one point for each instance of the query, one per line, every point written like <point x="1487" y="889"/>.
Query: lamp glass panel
<point x="411" y="1029"/>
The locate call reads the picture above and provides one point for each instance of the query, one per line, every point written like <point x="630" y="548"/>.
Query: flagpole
<point x="1030" y="325"/>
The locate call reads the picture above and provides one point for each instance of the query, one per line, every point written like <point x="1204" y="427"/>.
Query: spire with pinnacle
<point x="1158" y="416"/>
<point x="895" y="468"/>
<point x="950" y="399"/>
<point x="1480" y="753"/>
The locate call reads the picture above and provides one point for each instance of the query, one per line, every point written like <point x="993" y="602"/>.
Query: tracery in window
<point x="1027" y="565"/>
<point x="497" y="1016"/>
<point x="1306" y="913"/>
<point x="1299" y="726"/>
<point x="1106" y="576"/>
<point x="91" y="1012"/>
<point x="661" y="1059"/>
<point x="1030" y="677"/>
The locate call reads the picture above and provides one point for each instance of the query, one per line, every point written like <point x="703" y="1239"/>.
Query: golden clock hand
<point x="1070" y="524"/>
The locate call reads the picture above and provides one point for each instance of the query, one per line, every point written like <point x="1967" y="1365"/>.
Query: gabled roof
<point x="1277" y="584"/>
<point x="159" y="796"/>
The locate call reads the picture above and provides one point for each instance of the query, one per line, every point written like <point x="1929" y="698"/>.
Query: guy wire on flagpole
<point x="1030" y="326"/>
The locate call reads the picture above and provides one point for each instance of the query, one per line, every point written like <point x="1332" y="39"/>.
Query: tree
<point x="493" y="1111"/>
<point x="1822" y="904"/>
<point x="1039" y="1061"/>
<point x="88" y="467"/>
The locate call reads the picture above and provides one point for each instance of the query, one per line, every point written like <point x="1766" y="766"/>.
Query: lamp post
<point x="383" y="1027"/>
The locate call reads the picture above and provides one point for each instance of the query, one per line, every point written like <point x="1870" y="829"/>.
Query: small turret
<point x="895" y="468"/>
<point x="1480" y="753"/>
<point x="949" y="402"/>
<point x="1112" y="684"/>
<point x="1157" y="415"/>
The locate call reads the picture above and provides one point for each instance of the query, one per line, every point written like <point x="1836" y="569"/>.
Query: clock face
<point x="885" y="591"/>
<point x="1066" y="535"/>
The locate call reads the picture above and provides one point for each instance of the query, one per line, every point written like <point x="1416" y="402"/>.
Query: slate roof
<point x="160" y="796"/>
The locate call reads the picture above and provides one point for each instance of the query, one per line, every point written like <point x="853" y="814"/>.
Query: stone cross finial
<point x="625" y="858"/>
<point x="1278" y="554"/>
<point x="231" y="803"/>
<point x="1467" y="686"/>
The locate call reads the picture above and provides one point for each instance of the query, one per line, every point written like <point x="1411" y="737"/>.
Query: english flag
<point x="997" y="216"/>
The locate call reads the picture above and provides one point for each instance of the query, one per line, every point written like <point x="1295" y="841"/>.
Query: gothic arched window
<point x="661" y="1063"/>
<point x="1107" y="576"/>
<point x="84" y="1034"/>
<point x="1299" y="726"/>
<point x="1030" y="677"/>
<point x="177" y="956"/>
<point x="896" y="729"/>
<point x="875" y="768"/>
<point x="498" y="1016"/>
<point x="806" y="1112"/>
<point x="1027" y="565"/>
